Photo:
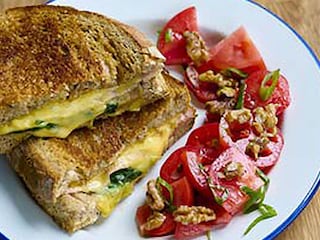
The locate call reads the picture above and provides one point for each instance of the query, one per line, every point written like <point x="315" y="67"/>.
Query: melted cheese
<point x="66" y="116"/>
<point x="141" y="156"/>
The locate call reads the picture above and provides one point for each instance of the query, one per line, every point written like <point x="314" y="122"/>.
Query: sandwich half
<point x="61" y="68"/>
<point x="83" y="177"/>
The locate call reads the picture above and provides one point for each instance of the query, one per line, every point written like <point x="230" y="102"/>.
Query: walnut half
<point x="193" y="215"/>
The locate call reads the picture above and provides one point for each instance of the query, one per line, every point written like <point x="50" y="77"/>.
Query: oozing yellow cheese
<point x="141" y="156"/>
<point x="65" y="116"/>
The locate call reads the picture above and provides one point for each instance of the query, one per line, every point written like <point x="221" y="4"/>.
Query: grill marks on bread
<point x="55" y="53"/>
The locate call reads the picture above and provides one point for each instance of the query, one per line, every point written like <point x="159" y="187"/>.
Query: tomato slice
<point x="280" y="95"/>
<point x="235" y="197"/>
<point x="191" y="230"/>
<point x="142" y="214"/>
<point x="236" y="50"/>
<point x="172" y="169"/>
<point x="175" y="49"/>
<point x="267" y="159"/>
<point x="208" y="138"/>
<point x="182" y="192"/>
<point x="204" y="92"/>
<point x="190" y="162"/>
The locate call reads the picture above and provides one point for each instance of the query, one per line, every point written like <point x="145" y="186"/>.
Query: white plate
<point x="293" y="181"/>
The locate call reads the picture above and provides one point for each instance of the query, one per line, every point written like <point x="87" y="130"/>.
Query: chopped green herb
<point x="257" y="197"/>
<point x="111" y="108"/>
<point x="242" y="89"/>
<point x="266" y="212"/>
<point x="165" y="184"/>
<point x="208" y="235"/>
<point x="159" y="32"/>
<point x="124" y="175"/>
<point x="213" y="187"/>
<point x="168" y="36"/>
<point x="265" y="91"/>
<point x="234" y="73"/>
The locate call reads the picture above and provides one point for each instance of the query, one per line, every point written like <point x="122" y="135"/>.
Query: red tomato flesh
<point x="175" y="49"/>
<point x="236" y="50"/>
<point x="182" y="193"/>
<point x="142" y="214"/>
<point x="236" y="198"/>
<point x="280" y="96"/>
<point x="172" y="169"/>
<point x="208" y="138"/>
<point x="204" y="92"/>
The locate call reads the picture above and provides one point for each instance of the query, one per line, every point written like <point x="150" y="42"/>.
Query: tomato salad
<point x="221" y="171"/>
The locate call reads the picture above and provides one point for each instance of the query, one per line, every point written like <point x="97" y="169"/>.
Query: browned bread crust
<point x="51" y="53"/>
<point x="47" y="166"/>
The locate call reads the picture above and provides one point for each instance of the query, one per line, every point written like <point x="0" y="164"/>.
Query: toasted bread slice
<point x="52" y="54"/>
<point x="69" y="177"/>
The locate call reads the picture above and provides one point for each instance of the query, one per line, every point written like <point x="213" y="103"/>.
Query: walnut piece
<point x="217" y="78"/>
<point x="154" y="198"/>
<point x="219" y="107"/>
<point x="265" y="120"/>
<point x="193" y="215"/>
<point x="154" y="221"/>
<point x="241" y="116"/>
<point x="255" y="146"/>
<point x="233" y="169"/>
<point x="196" y="47"/>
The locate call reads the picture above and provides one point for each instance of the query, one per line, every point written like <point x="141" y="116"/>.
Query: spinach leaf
<point x="111" y="108"/>
<point x="124" y="175"/>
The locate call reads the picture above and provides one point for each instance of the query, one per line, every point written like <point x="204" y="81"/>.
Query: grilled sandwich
<point x="61" y="68"/>
<point x="83" y="177"/>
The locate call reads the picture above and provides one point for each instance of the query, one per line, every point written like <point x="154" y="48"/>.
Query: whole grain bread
<point x="48" y="166"/>
<point x="51" y="53"/>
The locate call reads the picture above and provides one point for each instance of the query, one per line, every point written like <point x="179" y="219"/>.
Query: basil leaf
<point x="256" y="198"/>
<point x="124" y="175"/>
<point x="111" y="108"/>
<point x="266" y="91"/>
<point x="266" y="212"/>
<point x="234" y="73"/>
<point x="166" y="185"/>
<point x="240" y="101"/>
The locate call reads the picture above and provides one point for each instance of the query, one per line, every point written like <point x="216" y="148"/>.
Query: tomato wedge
<point x="174" y="48"/>
<point x="202" y="91"/>
<point x="182" y="192"/>
<point x="236" y="50"/>
<point x="190" y="162"/>
<point x="280" y="95"/>
<point x="235" y="197"/>
<point x="172" y="169"/>
<point x="142" y="214"/>
<point x="208" y="138"/>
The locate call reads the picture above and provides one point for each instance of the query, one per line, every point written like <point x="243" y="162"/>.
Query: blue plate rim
<point x="313" y="190"/>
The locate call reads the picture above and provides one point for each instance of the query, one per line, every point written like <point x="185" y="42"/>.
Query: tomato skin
<point x="204" y="92"/>
<point x="236" y="50"/>
<point x="236" y="198"/>
<point x="280" y="96"/>
<point x="190" y="162"/>
<point x="204" y="137"/>
<point x="172" y="169"/>
<point x="142" y="214"/>
<point x="175" y="50"/>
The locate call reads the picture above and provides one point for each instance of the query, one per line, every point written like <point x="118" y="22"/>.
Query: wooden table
<point x="304" y="16"/>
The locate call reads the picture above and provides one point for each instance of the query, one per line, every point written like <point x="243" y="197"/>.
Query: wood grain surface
<point x="304" y="17"/>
